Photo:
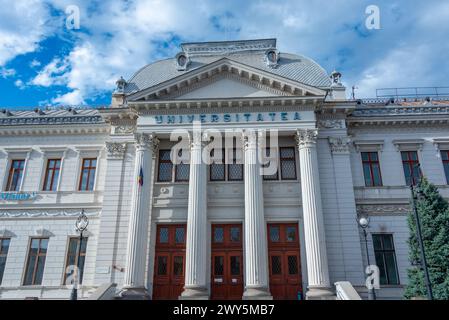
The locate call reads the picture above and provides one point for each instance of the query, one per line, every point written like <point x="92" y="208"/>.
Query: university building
<point x="160" y="229"/>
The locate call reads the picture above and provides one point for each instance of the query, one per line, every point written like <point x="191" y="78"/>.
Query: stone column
<point x="134" y="281"/>
<point x="196" y="243"/>
<point x="317" y="267"/>
<point x="256" y="250"/>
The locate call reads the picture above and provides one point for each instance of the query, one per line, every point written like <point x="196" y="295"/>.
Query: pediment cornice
<point x="233" y="104"/>
<point x="203" y="75"/>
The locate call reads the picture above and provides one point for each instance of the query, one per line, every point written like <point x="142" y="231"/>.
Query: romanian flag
<point x="140" y="178"/>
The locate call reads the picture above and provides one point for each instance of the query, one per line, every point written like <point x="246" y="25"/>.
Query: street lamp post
<point x="421" y="244"/>
<point x="81" y="225"/>
<point x="363" y="222"/>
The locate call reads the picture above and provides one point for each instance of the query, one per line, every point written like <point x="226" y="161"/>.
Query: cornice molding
<point x="54" y="130"/>
<point x="369" y="145"/>
<point x="408" y="144"/>
<point x="229" y="104"/>
<point x="55" y="120"/>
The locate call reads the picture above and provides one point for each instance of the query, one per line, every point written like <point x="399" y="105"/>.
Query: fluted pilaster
<point x="134" y="279"/>
<point x="196" y="244"/>
<point x="256" y="257"/>
<point x="317" y="266"/>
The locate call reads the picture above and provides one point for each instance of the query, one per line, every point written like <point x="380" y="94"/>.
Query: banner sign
<point x="22" y="196"/>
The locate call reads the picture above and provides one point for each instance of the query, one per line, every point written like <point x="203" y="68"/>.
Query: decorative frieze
<point x="45" y="213"/>
<point x="339" y="144"/>
<point x="331" y="124"/>
<point x="124" y="129"/>
<point x="384" y="209"/>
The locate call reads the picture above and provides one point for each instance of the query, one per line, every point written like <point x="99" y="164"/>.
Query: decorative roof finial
<point x="121" y="83"/>
<point x="336" y="78"/>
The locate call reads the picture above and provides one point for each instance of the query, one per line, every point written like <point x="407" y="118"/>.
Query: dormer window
<point x="182" y="61"/>
<point x="272" y="57"/>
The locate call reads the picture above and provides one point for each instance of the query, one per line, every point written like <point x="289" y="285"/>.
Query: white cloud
<point x="71" y="98"/>
<point x="19" y="84"/>
<point x="5" y="72"/>
<point x="124" y="36"/>
<point x="23" y="25"/>
<point x="52" y="74"/>
<point x="35" y="63"/>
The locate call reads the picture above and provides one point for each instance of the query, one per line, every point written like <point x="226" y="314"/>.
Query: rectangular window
<point x="271" y="157"/>
<point x="445" y="157"/>
<point x="87" y="179"/>
<point x="288" y="163"/>
<point x="72" y="258"/>
<point x="52" y="174"/>
<point x="371" y="169"/>
<point x="4" y="247"/>
<point x="235" y="170"/>
<point x="410" y="163"/>
<point x="15" y="175"/>
<point x="165" y="166"/>
<point x="36" y="261"/>
<point x="386" y="258"/>
<point x="217" y="168"/>
<point x="182" y="170"/>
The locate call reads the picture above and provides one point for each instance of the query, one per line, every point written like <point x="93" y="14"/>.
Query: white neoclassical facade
<point x="165" y="229"/>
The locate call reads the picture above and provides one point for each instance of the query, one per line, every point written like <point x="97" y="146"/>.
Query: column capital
<point x="146" y="141"/>
<point x="339" y="145"/>
<point x="115" y="150"/>
<point x="306" y="137"/>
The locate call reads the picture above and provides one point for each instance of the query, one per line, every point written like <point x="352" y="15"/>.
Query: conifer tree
<point x="433" y="211"/>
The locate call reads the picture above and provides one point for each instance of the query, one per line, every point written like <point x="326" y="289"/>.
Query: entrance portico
<point x="255" y="262"/>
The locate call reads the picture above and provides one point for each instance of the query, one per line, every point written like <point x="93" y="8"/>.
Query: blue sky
<point x="43" y="63"/>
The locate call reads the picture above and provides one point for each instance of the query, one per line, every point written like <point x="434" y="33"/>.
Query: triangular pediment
<point x="227" y="85"/>
<point x="225" y="79"/>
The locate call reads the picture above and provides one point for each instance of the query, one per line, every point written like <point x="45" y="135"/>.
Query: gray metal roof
<point x="291" y="66"/>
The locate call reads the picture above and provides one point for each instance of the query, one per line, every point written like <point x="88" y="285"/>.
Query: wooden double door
<point x="227" y="262"/>
<point x="169" y="262"/>
<point x="284" y="261"/>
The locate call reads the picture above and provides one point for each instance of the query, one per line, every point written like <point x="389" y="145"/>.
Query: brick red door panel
<point x="169" y="262"/>
<point x="284" y="261"/>
<point x="227" y="262"/>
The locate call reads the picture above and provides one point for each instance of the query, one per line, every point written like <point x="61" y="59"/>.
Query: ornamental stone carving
<point x="124" y="129"/>
<point x="146" y="141"/>
<point x="331" y="124"/>
<point x="42" y="213"/>
<point x="115" y="150"/>
<point x="384" y="209"/>
<point x="339" y="144"/>
<point x="306" y="137"/>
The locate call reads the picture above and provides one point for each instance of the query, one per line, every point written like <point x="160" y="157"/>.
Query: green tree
<point x="433" y="211"/>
